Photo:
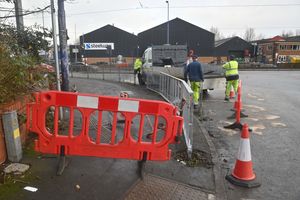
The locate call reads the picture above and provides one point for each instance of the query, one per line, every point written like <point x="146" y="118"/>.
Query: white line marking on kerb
<point x="128" y="106"/>
<point x="87" y="102"/>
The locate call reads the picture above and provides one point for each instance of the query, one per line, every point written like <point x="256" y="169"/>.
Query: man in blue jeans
<point x="194" y="73"/>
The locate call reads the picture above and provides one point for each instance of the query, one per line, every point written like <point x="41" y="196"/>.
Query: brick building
<point x="278" y="49"/>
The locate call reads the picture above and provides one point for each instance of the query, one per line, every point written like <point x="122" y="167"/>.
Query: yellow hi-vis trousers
<point x="195" y="86"/>
<point x="229" y="84"/>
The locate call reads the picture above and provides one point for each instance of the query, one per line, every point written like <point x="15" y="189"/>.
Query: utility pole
<point x="63" y="45"/>
<point x="55" y="44"/>
<point x="76" y="51"/>
<point x="168" y="24"/>
<point x="19" y="15"/>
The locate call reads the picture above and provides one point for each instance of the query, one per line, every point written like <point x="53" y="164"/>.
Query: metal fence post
<point x="103" y="72"/>
<point x="119" y="70"/>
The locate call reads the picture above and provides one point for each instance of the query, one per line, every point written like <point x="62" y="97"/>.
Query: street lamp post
<point x="168" y="25"/>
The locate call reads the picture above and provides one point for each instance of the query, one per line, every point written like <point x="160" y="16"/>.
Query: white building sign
<point x="98" y="46"/>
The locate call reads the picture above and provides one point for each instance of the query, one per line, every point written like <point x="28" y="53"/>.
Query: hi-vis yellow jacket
<point x="138" y="64"/>
<point x="231" y="68"/>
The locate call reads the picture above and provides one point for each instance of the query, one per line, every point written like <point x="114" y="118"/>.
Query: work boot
<point x="195" y="106"/>
<point x="226" y="99"/>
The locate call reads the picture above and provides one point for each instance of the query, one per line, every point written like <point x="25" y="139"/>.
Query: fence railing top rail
<point x="188" y="88"/>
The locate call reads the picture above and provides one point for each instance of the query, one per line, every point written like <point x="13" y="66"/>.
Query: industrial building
<point x="236" y="46"/>
<point x="106" y="43"/>
<point x="181" y="32"/>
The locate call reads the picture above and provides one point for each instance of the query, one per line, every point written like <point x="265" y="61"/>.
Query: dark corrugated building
<point x="181" y="32"/>
<point x="123" y="43"/>
<point x="233" y="46"/>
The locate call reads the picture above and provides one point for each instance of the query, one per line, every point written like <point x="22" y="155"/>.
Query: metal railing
<point x="179" y="93"/>
<point x="172" y="89"/>
<point x="104" y="72"/>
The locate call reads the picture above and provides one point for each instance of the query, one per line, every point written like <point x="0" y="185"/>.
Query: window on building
<point x="270" y="47"/>
<point x="296" y="47"/>
<point x="289" y="47"/>
<point x="282" y="47"/>
<point x="260" y="50"/>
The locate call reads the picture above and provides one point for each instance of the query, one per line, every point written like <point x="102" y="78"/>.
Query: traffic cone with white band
<point x="243" y="174"/>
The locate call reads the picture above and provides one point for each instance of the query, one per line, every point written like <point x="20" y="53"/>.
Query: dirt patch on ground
<point x="197" y="159"/>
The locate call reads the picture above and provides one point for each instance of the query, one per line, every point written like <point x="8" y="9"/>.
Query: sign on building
<point x="98" y="46"/>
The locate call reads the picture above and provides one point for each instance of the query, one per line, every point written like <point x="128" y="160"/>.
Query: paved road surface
<point x="272" y="100"/>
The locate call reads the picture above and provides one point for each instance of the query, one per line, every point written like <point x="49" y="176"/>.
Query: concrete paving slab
<point x="153" y="187"/>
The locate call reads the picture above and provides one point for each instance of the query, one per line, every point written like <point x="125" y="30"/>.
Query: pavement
<point x="102" y="178"/>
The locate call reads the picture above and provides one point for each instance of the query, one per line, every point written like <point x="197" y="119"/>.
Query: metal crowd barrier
<point x="179" y="93"/>
<point x="104" y="72"/>
<point x="172" y="89"/>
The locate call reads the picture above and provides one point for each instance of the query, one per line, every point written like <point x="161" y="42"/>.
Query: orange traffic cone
<point x="243" y="174"/>
<point x="231" y="95"/>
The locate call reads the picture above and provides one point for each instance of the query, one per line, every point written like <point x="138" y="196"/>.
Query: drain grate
<point x="152" y="188"/>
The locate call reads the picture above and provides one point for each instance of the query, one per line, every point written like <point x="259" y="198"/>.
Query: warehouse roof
<point x="220" y="42"/>
<point x="109" y="27"/>
<point x="176" y="21"/>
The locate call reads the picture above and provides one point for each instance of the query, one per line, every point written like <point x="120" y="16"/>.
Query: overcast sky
<point x="231" y="17"/>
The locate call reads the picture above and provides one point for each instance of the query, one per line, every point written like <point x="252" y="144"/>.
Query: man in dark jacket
<point x="195" y="75"/>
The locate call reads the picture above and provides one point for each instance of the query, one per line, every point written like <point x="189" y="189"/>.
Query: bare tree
<point x="287" y="33"/>
<point x="249" y="34"/>
<point x="260" y="37"/>
<point x="218" y="34"/>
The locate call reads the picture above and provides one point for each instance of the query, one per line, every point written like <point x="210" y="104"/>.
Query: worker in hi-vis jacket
<point x="231" y="75"/>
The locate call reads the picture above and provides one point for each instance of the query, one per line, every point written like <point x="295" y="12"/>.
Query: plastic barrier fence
<point x="130" y="143"/>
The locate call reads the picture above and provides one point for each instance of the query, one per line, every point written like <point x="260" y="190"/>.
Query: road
<point x="271" y="99"/>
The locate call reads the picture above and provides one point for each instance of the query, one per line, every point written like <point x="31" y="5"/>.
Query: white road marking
<point x="229" y="132"/>
<point x="255" y="107"/>
<point x="258" y="127"/>
<point x="278" y="124"/>
<point x="271" y="117"/>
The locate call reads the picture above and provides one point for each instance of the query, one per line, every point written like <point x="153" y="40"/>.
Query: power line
<point x="181" y="7"/>
<point x="28" y="13"/>
<point x="185" y="7"/>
